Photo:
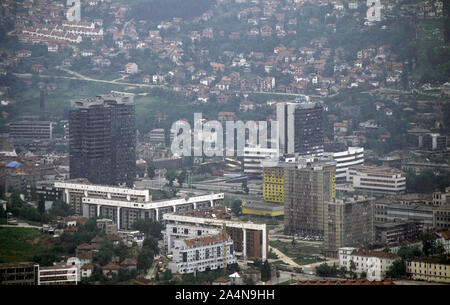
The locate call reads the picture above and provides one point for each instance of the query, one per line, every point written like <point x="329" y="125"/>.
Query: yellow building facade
<point x="428" y="270"/>
<point x="273" y="184"/>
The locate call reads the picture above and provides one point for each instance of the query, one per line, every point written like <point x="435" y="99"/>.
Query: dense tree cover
<point x="427" y="181"/>
<point x="149" y="227"/>
<point x="68" y="241"/>
<point x="397" y="269"/>
<point x="326" y="271"/>
<point x="158" y="10"/>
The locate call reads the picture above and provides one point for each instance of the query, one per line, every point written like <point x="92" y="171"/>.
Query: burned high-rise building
<point x="103" y="139"/>
<point x="300" y="127"/>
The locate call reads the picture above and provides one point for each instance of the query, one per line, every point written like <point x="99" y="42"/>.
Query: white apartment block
<point x="125" y="205"/>
<point x="344" y="159"/>
<point x="175" y="232"/>
<point x="58" y="275"/>
<point x="377" y="180"/>
<point x="249" y="239"/>
<point x="254" y="156"/>
<point x="198" y="254"/>
<point x="374" y="263"/>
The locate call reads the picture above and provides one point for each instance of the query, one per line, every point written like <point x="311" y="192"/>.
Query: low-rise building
<point x="58" y="275"/>
<point x="444" y="238"/>
<point x="373" y="263"/>
<point x="25" y="273"/>
<point x="253" y="158"/>
<point x="377" y="180"/>
<point x="428" y="269"/>
<point x="396" y="232"/>
<point x="111" y="270"/>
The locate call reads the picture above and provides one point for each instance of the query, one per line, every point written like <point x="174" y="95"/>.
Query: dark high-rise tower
<point x="103" y="139"/>
<point x="300" y="127"/>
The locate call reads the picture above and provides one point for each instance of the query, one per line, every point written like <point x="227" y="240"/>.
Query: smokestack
<point x="42" y="105"/>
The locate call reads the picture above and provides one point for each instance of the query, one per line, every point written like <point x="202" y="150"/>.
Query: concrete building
<point x="102" y="142"/>
<point x="250" y="240"/>
<point x="348" y="222"/>
<point x="201" y="253"/>
<point x="156" y="136"/>
<point x="131" y="68"/>
<point x="124" y="205"/>
<point x="308" y="184"/>
<point x="300" y="127"/>
<point x="58" y="275"/>
<point x="444" y="238"/>
<point x="441" y="198"/>
<point x="422" y="214"/>
<point x="434" y="142"/>
<point x="74" y="191"/>
<point x="428" y="269"/>
<point x="396" y="232"/>
<point x="352" y="156"/>
<point x="373" y="263"/>
<point x="253" y="158"/>
<point x="377" y="180"/>
<point x="25" y="273"/>
<point x="31" y="130"/>
<point x="107" y="226"/>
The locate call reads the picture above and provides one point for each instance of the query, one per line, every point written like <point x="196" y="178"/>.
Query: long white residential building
<point x="344" y="159"/>
<point x="198" y="254"/>
<point x="377" y="180"/>
<point x="374" y="263"/>
<point x="124" y="205"/>
<point x="58" y="275"/>
<point x="250" y="240"/>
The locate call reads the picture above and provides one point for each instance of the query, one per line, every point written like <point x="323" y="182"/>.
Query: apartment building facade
<point x="308" y="184"/>
<point x="348" y="222"/>
<point x="201" y="253"/>
<point x="273" y="183"/>
<point x="250" y="240"/>
<point x="31" y="130"/>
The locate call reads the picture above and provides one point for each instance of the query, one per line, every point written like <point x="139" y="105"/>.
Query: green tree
<point x="149" y="227"/>
<point x="397" y="269"/>
<point x="245" y="187"/>
<point x="181" y="177"/>
<point x="145" y="259"/>
<point x="41" y="206"/>
<point x="171" y="175"/>
<point x="236" y="207"/>
<point x="266" y="273"/>
<point x="151" y="170"/>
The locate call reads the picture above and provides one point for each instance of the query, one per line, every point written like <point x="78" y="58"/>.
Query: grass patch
<point x="20" y="244"/>
<point x="299" y="253"/>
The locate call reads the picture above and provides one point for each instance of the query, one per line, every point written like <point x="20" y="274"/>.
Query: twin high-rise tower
<point x="103" y="139"/>
<point x="300" y="127"/>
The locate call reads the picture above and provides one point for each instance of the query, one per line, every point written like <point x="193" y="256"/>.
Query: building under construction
<point x="103" y="139"/>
